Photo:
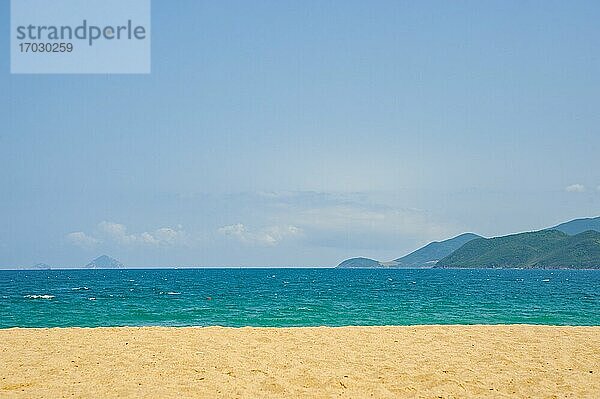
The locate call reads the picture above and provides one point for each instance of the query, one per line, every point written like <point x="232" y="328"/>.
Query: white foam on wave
<point x="92" y="299"/>
<point x="39" y="296"/>
<point x="80" y="288"/>
<point x="173" y="293"/>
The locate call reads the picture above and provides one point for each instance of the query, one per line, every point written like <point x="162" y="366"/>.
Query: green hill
<point x="540" y="249"/>
<point x="421" y="258"/>
<point x="518" y="250"/>
<point x="578" y="226"/>
<point x="428" y="255"/>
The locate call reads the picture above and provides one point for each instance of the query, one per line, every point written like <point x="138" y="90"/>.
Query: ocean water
<point x="297" y="297"/>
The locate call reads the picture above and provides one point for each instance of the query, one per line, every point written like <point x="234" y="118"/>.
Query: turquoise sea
<point x="297" y="297"/>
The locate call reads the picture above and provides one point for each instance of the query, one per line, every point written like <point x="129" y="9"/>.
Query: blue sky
<point x="305" y="132"/>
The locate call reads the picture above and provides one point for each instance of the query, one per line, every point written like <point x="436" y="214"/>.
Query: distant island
<point x="40" y="266"/>
<point x="571" y="245"/>
<point x="101" y="262"/>
<point x="104" y="262"/>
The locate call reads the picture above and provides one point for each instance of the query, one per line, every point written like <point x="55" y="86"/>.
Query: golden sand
<point x="348" y="362"/>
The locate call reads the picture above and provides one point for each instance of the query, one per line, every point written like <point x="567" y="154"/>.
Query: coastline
<point x="387" y="361"/>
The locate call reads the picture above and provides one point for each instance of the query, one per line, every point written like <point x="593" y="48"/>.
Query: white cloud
<point x="269" y="236"/>
<point x="80" y="239"/>
<point x="348" y="220"/>
<point x="116" y="233"/>
<point x="340" y="222"/>
<point x="168" y="235"/>
<point x="164" y="236"/>
<point x="355" y="218"/>
<point x="575" y="188"/>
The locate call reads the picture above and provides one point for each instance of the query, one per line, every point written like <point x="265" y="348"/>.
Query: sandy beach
<point x="352" y="362"/>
